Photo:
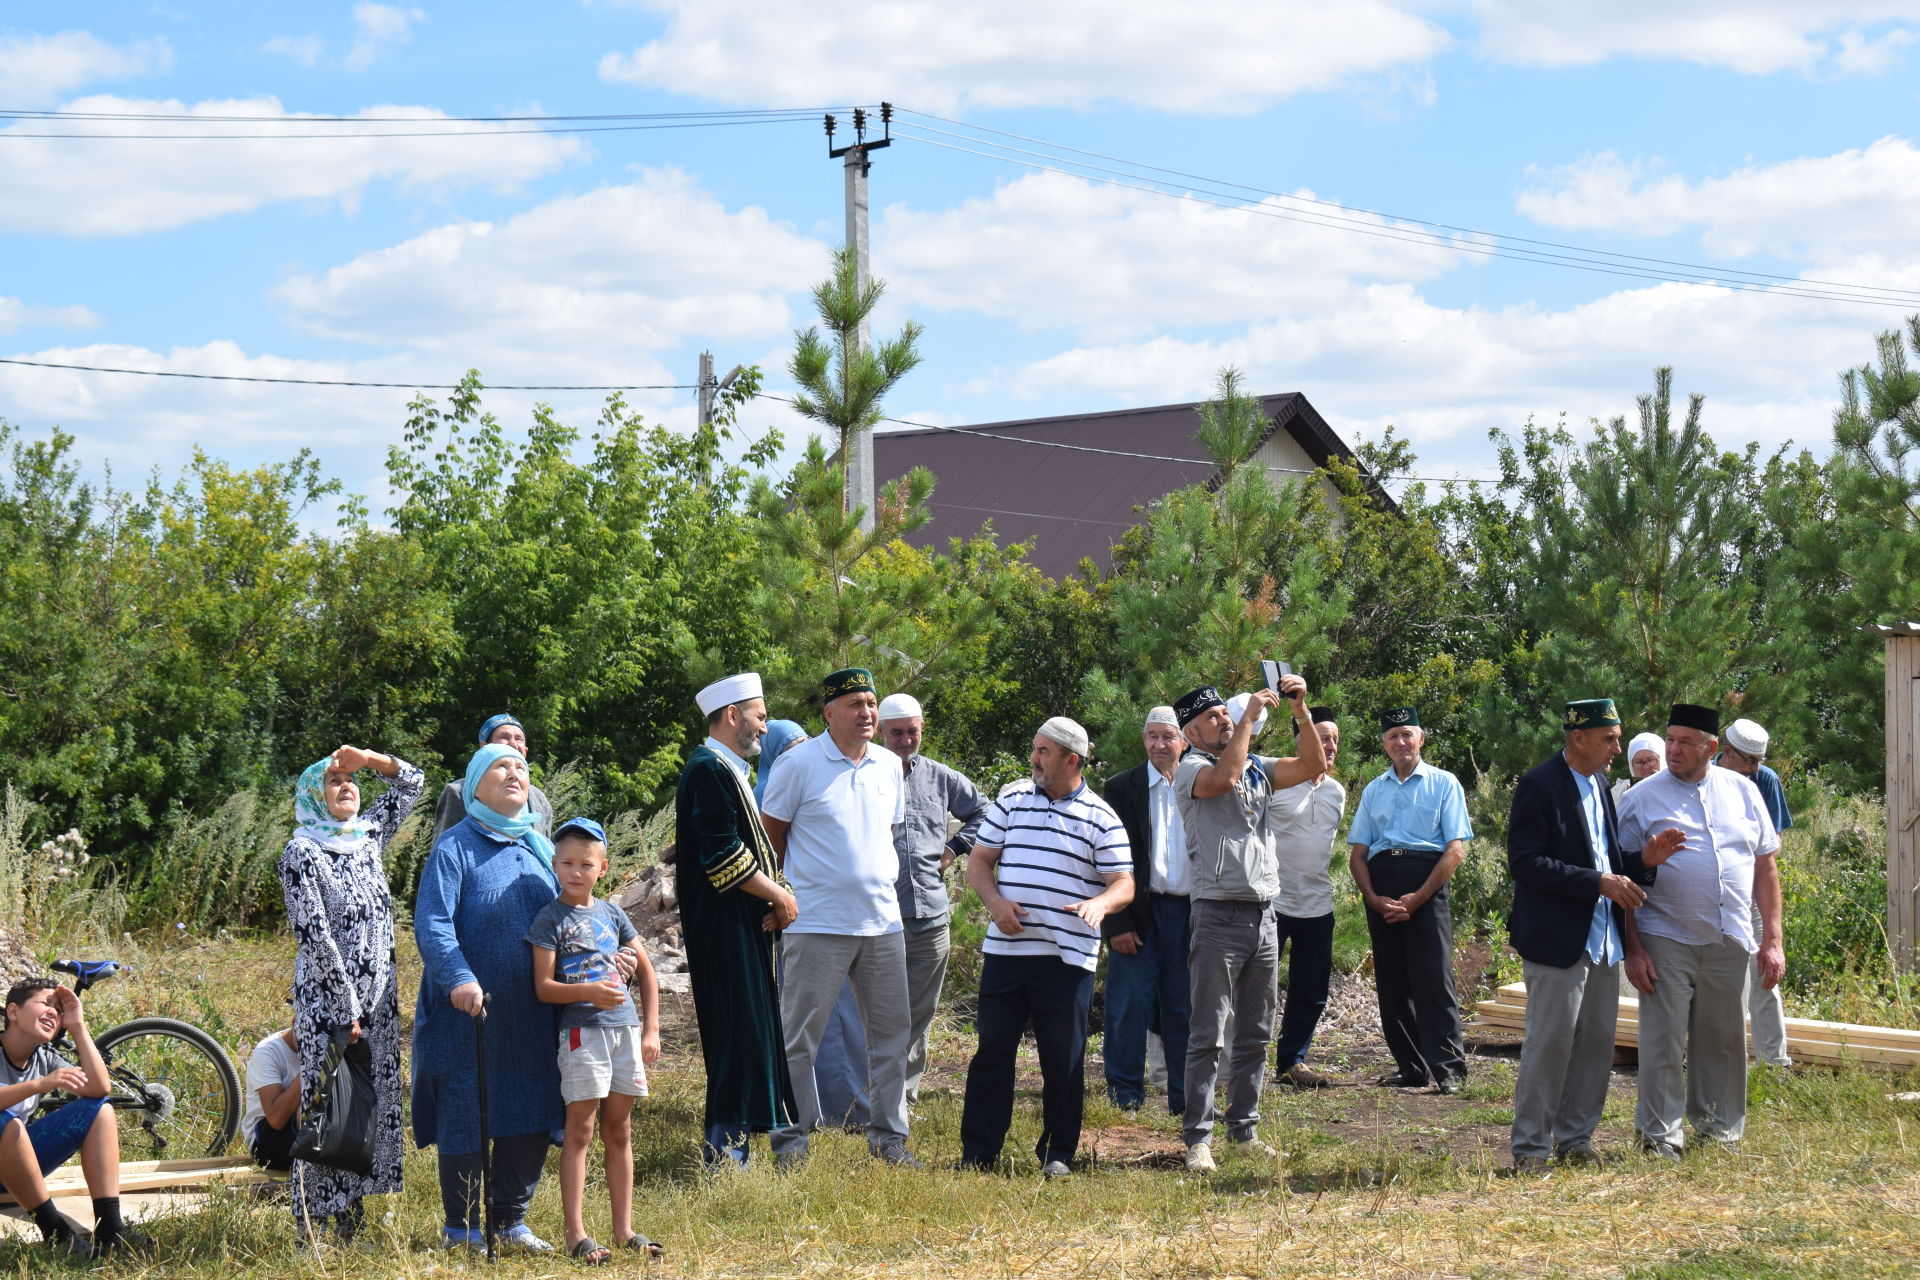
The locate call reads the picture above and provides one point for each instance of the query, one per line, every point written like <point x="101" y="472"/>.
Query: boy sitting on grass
<point x="604" y="1047"/>
<point x="36" y="1011"/>
<point x="273" y="1101"/>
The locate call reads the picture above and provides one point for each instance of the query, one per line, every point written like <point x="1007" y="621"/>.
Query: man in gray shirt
<point x="1224" y="792"/>
<point x="450" y="811"/>
<point x="935" y="793"/>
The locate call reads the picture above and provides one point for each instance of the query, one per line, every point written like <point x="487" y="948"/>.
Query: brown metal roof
<point x="1078" y="498"/>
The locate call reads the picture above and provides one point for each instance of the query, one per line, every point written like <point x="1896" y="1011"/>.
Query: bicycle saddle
<point x="88" y="971"/>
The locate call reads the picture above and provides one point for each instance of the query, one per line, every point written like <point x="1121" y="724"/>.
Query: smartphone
<point x="1273" y="671"/>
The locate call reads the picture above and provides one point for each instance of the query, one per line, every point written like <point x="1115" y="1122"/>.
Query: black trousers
<point x="517" y="1163"/>
<point x="1056" y="998"/>
<point x="1309" y="978"/>
<point x="1413" y="975"/>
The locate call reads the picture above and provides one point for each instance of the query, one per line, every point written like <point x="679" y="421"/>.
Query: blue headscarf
<point x="491" y="723"/>
<point x="314" y="820"/>
<point x="780" y="735"/>
<point x="521" y="825"/>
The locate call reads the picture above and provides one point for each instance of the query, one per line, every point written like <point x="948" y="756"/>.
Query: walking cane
<point x="486" y="1137"/>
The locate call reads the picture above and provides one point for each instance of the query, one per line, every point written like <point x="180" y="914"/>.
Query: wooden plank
<point x="153" y="1175"/>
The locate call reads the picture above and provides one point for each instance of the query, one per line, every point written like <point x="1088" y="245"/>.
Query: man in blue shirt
<point x="1572" y="885"/>
<point x="1745" y="752"/>
<point x="1409" y="833"/>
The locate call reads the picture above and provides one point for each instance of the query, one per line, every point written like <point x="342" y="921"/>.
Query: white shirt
<point x="274" y="1062"/>
<point x="841" y="859"/>
<point x="1170" y="872"/>
<point x="1704" y="892"/>
<point x="1053" y="852"/>
<point x="1304" y="819"/>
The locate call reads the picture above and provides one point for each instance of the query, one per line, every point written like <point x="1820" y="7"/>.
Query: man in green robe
<point x="733" y="903"/>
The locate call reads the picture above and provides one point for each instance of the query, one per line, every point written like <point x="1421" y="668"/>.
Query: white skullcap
<point x="1163" y="715"/>
<point x="1747" y="737"/>
<point x="1237" y="707"/>
<point x="1646" y="742"/>
<point x="1067" y="733"/>
<point x="899" y="706"/>
<point x="724" y="693"/>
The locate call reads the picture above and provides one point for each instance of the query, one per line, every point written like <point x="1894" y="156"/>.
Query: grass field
<point x="1369" y="1183"/>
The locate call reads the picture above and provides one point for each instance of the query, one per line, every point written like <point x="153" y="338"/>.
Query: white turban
<point x="1646" y="742"/>
<point x="899" y="706"/>
<point x="1237" y="707"/>
<point x="724" y="693"/>
<point x="1067" y="733"/>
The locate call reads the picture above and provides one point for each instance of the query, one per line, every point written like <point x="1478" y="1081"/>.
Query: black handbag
<point x="336" y="1118"/>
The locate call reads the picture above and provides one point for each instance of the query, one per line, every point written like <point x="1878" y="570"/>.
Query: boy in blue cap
<point x="604" y="1045"/>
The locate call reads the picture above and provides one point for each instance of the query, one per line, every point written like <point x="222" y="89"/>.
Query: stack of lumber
<point x="1807" y="1040"/>
<point x="155" y="1175"/>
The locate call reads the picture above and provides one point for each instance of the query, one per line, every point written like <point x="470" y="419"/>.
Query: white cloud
<point x="583" y="285"/>
<point x="80" y="187"/>
<point x="37" y="68"/>
<point x="15" y="315"/>
<point x="1820" y="209"/>
<point x="1751" y="36"/>
<point x="1227" y="58"/>
<point x="379" y="29"/>
<point x="1049" y="251"/>
<point x="305" y="50"/>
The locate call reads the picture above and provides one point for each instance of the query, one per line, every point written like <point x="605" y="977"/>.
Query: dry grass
<point x="1369" y="1183"/>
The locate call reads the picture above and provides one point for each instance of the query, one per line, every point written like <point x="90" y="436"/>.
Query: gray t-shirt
<point x="583" y="940"/>
<point x="41" y="1062"/>
<point x="1229" y="836"/>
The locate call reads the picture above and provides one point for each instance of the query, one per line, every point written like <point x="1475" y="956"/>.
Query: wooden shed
<point x="1903" y="789"/>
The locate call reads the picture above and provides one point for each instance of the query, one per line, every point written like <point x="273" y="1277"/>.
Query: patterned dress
<point x="342" y="918"/>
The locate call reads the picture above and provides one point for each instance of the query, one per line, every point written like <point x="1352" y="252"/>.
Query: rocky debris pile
<point x="16" y="958"/>
<point x="650" y="902"/>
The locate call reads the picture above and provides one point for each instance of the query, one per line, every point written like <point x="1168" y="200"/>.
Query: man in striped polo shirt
<point x="1062" y="863"/>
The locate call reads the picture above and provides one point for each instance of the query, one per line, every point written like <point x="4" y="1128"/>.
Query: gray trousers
<point x="1233" y="959"/>
<point x="928" y="941"/>
<point x="1768" y="1015"/>
<point x="1567" y="1057"/>
<point x="1697" y="1010"/>
<point x="814" y="967"/>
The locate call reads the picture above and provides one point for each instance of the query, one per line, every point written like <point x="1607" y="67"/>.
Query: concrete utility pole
<point x="707" y="387"/>
<point x="859" y="460"/>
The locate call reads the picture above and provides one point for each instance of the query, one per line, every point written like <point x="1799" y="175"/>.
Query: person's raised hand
<point x="66" y="1002"/>
<point x="1620" y="890"/>
<point x="352" y="759"/>
<point x="1294" y="689"/>
<point x="1663" y="845"/>
<point x="468" y="998"/>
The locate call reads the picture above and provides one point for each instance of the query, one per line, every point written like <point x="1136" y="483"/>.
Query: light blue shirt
<point x="1603" y="935"/>
<point x="1426" y="811"/>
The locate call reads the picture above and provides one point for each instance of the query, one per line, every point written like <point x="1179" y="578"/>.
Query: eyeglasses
<point x="1738" y="754"/>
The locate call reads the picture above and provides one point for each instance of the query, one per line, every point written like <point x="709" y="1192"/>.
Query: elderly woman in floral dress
<point x="344" y="975"/>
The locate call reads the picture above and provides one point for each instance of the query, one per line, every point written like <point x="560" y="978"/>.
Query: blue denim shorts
<point x="58" y="1134"/>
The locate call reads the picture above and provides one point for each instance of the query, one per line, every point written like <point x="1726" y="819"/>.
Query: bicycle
<point x="170" y="1077"/>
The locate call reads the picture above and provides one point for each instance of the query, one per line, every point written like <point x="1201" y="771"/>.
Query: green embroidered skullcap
<point x="845" y="681"/>
<point x="1591" y="713"/>
<point x="1399" y="718"/>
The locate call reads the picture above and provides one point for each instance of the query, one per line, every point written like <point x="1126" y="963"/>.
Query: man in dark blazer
<point x="1572" y="885"/>
<point x="1147" y="941"/>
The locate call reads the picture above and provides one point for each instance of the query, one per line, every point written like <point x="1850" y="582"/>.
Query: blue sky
<point x="1764" y="136"/>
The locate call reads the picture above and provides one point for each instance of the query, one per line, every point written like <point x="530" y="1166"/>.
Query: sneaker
<point x="897" y="1155"/>
<point x="1200" y="1158"/>
<point x="520" y="1236"/>
<point x="1302" y="1076"/>
<point x="1661" y="1150"/>
<point x="1055" y="1169"/>
<point x="460" y="1238"/>
<point x="1252" y="1147"/>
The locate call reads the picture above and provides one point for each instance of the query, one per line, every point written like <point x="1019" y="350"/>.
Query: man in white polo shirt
<point x="1690" y="944"/>
<point x="1062" y="863"/>
<point x="829" y="812"/>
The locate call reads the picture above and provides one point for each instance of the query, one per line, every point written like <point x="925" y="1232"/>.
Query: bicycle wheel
<point x="176" y="1083"/>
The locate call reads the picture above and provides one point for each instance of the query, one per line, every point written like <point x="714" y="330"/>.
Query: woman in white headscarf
<point x="1646" y="756"/>
<point x="344" y="975"/>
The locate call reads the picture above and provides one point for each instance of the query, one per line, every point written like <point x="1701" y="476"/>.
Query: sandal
<point x="591" y="1252"/>
<point x="640" y="1244"/>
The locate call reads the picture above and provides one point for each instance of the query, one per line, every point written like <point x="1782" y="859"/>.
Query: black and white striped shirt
<point x="1053" y="852"/>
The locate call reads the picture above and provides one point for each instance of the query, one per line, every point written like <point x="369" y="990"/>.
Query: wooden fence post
<point x="1903" y="789"/>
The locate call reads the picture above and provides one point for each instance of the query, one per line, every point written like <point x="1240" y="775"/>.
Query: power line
<point x="976" y="433"/>
<point x="341" y="382"/>
<point x="416" y="133"/>
<point x="1598" y="264"/>
<point x="808" y="113"/>
<point x="1451" y="228"/>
